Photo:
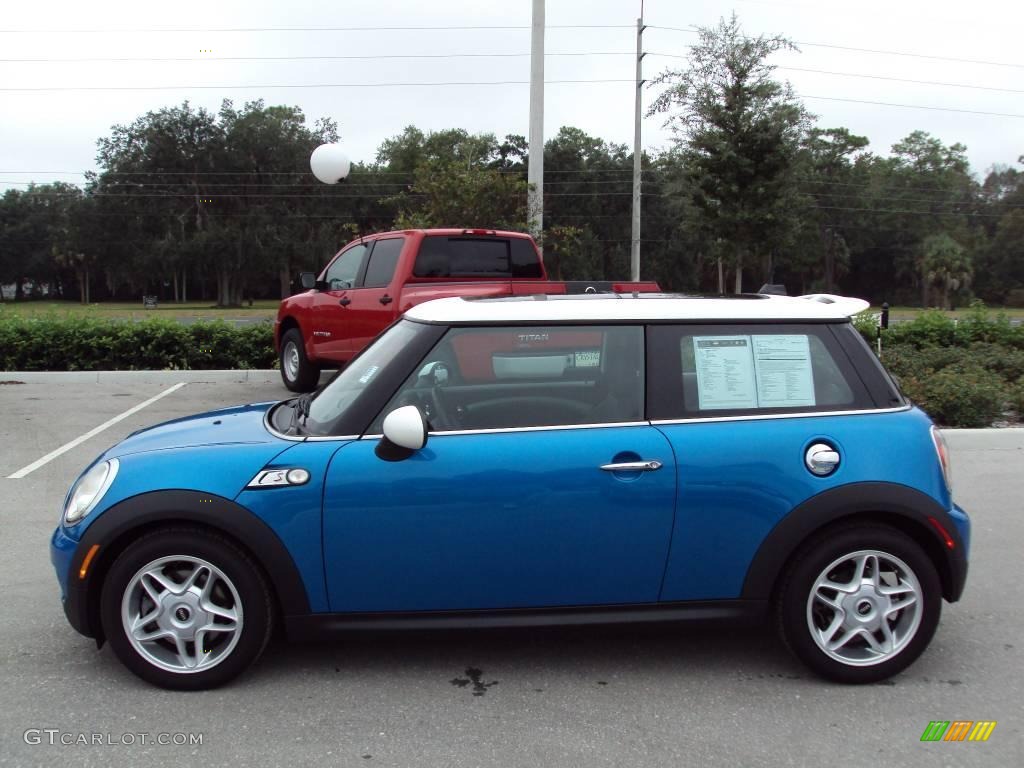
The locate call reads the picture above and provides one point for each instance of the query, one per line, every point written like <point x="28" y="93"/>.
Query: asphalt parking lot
<point x="658" y="696"/>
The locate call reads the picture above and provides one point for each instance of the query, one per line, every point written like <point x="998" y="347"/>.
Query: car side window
<point x="383" y="260"/>
<point x="708" y="371"/>
<point x="342" y="273"/>
<point x="528" y="376"/>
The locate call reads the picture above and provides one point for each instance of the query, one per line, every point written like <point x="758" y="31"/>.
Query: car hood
<point x="243" y="424"/>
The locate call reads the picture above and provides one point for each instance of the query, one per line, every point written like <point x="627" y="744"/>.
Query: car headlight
<point x="89" y="490"/>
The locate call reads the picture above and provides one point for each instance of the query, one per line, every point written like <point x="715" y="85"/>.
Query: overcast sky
<point x="50" y="135"/>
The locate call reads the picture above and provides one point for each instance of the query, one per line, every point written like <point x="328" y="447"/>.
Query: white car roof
<point x="641" y="307"/>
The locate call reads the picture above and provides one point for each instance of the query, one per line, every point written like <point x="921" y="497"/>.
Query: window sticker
<point x="370" y="373"/>
<point x="725" y="372"/>
<point x="783" y="367"/>
<point x="589" y="359"/>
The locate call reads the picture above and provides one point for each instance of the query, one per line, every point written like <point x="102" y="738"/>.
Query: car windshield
<point x="328" y="408"/>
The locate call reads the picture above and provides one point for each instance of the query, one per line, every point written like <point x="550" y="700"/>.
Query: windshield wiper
<point x="300" y="410"/>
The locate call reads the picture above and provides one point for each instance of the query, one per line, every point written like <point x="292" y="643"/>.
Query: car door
<point x="742" y="405"/>
<point x="373" y="307"/>
<point x="332" y="320"/>
<point x="564" y="497"/>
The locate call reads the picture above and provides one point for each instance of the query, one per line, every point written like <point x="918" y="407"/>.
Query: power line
<point x="182" y="185"/>
<point x="869" y="50"/>
<point x="873" y="77"/>
<point x="295" y="85"/>
<point x="904" y="80"/>
<point x="911" y="106"/>
<point x="460" y="83"/>
<point x="156" y="30"/>
<point x="317" y="58"/>
<point x="867" y="186"/>
<point x="278" y="195"/>
<point x="408" y="174"/>
<point x="374" y="57"/>
<point x="381" y="211"/>
<point x="890" y="211"/>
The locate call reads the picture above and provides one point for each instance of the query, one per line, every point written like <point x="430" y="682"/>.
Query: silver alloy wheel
<point x="182" y="614"/>
<point x="291" y="360"/>
<point x="864" y="608"/>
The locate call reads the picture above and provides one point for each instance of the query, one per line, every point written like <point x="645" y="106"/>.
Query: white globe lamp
<point x="329" y="163"/>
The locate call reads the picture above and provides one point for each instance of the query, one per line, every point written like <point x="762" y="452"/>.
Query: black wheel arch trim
<point x="889" y="503"/>
<point x="121" y="523"/>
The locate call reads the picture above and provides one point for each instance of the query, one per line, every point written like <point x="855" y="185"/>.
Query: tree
<point x="458" y="179"/>
<point x="929" y="188"/>
<point x="944" y="262"/>
<point x="828" y="180"/>
<point x="1000" y="263"/>
<point x="204" y="193"/>
<point x="741" y="131"/>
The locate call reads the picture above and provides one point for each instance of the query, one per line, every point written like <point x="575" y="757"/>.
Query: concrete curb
<point x="256" y="376"/>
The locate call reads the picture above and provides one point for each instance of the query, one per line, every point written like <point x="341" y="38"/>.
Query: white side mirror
<point x="406" y="428"/>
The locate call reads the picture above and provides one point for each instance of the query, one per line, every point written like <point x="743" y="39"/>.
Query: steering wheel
<point x="440" y="419"/>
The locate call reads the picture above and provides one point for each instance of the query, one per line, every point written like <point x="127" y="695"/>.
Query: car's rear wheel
<point x="186" y="609"/>
<point x="859" y="603"/>
<point x="297" y="372"/>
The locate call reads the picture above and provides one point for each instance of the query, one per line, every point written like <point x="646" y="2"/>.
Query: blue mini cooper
<point x="535" y="461"/>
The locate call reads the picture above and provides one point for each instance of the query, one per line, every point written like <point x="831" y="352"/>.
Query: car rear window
<point x="709" y="371"/>
<point x="467" y="256"/>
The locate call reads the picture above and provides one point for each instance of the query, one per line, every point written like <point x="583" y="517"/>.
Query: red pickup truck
<point x="374" y="280"/>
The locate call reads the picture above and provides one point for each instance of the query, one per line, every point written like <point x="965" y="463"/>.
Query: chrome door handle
<point x="632" y="466"/>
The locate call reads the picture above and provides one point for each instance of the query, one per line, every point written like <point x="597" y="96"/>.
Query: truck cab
<point x="374" y="280"/>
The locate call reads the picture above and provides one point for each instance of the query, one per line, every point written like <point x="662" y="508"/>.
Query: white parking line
<point x="94" y="431"/>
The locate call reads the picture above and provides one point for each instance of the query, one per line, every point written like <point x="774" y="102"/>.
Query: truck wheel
<point x="859" y="603"/>
<point x="297" y="372"/>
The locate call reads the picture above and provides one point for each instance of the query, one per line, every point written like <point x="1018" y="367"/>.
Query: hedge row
<point x="966" y="372"/>
<point x="88" y="344"/>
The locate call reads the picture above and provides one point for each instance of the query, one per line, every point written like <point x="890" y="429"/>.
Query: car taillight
<point x="942" y="450"/>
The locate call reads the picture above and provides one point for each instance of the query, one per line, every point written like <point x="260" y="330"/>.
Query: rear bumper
<point x="959" y="556"/>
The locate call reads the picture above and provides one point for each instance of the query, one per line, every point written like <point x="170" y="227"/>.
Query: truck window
<point x="383" y="260"/>
<point x="459" y="256"/>
<point x="341" y="275"/>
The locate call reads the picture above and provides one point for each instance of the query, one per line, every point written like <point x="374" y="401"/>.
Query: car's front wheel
<point x="186" y="609"/>
<point x="859" y="603"/>
<point x="297" y="371"/>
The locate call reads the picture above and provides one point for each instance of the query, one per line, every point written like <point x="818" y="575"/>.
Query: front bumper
<point x="63" y="550"/>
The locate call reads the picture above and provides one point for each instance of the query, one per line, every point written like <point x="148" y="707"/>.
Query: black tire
<point x="243" y="575"/>
<point x="297" y="372"/>
<point x="795" y="612"/>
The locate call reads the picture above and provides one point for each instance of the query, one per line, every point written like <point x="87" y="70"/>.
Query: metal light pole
<point x="634" y="255"/>
<point x="535" y="171"/>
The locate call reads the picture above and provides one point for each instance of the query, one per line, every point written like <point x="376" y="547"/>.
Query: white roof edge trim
<point x="846" y="304"/>
<point x="644" y="308"/>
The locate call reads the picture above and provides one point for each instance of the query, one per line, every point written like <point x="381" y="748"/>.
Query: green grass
<point x="134" y="310"/>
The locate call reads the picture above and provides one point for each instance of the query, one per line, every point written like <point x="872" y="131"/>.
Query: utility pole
<point x="634" y="254"/>
<point x="535" y="171"/>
